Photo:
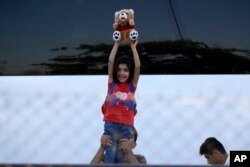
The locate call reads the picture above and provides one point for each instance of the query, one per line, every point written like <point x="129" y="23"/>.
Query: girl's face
<point x="123" y="73"/>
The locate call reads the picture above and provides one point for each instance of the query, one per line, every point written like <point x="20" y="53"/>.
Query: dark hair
<point x="124" y="60"/>
<point x="135" y="133"/>
<point x="211" y="144"/>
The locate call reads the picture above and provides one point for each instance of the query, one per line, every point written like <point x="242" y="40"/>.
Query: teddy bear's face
<point x="123" y="16"/>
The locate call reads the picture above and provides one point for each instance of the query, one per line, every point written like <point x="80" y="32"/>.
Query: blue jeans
<point x="116" y="131"/>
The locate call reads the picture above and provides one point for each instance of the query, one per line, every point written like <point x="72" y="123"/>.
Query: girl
<point x="119" y="108"/>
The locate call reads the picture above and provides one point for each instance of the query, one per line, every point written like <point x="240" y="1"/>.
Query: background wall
<point x="57" y="119"/>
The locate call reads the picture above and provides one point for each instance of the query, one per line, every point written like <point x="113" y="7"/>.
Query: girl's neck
<point x="123" y="82"/>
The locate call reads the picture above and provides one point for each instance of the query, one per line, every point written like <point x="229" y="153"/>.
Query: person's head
<point x="213" y="151"/>
<point x="123" y="69"/>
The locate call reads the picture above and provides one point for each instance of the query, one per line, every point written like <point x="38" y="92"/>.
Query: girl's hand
<point x="134" y="44"/>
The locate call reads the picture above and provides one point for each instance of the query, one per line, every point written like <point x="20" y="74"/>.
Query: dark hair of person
<point x="211" y="144"/>
<point x="124" y="60"/>
<point x="135" y="133"/>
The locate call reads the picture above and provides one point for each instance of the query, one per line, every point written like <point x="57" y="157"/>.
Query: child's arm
<point x="112" y="60"/>
<point x="137" y="63"/>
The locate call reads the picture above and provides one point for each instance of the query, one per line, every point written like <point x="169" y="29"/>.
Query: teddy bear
<point x="124" y="26"/>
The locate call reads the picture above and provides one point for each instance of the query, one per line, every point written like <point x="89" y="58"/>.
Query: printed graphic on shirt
<point x="124" y="95"/>
<point x="121" y="95"/>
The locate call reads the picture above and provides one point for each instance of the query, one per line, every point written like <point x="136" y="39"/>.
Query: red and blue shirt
<point x="120" y="105"/>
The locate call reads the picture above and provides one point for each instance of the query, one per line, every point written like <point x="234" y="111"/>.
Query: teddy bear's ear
<point x="132" y="11"/>
<point x="116" y="14"/>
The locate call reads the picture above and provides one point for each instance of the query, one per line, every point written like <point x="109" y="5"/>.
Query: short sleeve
<point x="141" y="159"/>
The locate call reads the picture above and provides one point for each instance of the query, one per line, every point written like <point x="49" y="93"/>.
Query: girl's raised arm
<point x="137" y="63"/>
<point x="112" y="60"/>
